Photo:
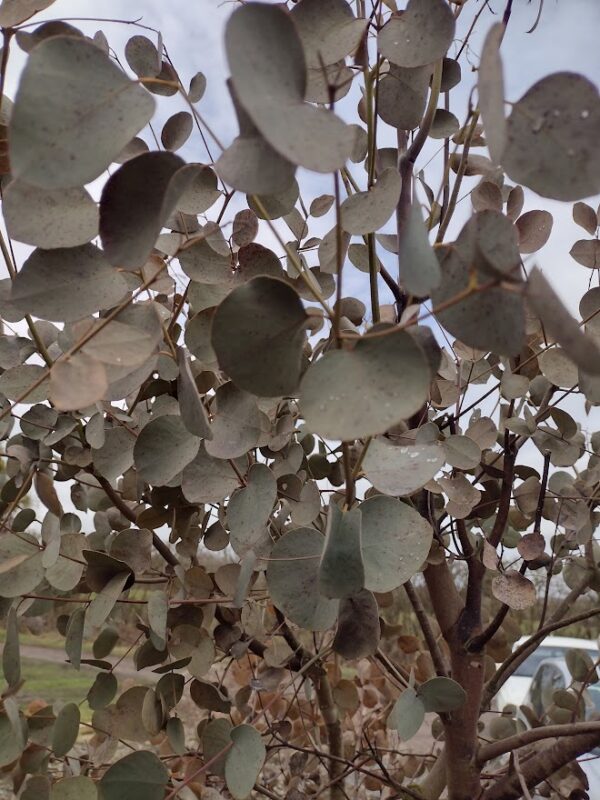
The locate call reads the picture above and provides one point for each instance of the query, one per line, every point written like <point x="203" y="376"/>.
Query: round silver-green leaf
<point x="67" y="284"/>
<point x="163" y="449"/>
<point x="348" y="394"/>
<point x="421" y="35"/>
<point x="49" y="218"/>
<point x="552" y="138"/>
<point x="74" y="112"/>
<point x="137" y="776"/>
<point x="263" y="316"/>
<point x="401" y="470"/>
<point x="244" y="760"/>
<point x="293" y="580"/>
<point x="395" y="542"/>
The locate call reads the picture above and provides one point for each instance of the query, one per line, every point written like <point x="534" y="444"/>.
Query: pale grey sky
<point x="566" y="39"/>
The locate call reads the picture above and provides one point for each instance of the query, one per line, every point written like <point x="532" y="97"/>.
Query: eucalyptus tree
<point x="390" y="478"/>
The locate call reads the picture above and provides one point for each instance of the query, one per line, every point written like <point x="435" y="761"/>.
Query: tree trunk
<point x="462" y="771"/>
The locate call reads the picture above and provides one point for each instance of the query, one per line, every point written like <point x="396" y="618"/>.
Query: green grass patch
<point x="51" y="639"/>
<point x="55" y="683"/>
<point x="54" y="641"/>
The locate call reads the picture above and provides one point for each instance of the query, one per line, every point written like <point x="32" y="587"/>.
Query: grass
<point x="55" y="683"/>
<point x="54" y="641"/>
<point x="51" y="639"/>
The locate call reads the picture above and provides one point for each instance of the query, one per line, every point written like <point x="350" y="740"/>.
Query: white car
<point x="551" y="675"/>
<point x="514" y="690"/>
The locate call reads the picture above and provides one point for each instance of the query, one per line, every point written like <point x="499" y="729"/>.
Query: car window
<point x="548" y="680"/>
<point x="555" y="680"/>
<point x="594" y="695"/>
<point x="528" y="668"/>
<point x="535" y="691"/>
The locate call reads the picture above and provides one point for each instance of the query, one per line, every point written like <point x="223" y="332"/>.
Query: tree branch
<point x="445" y="597"/>
<point x="543" y="764"/>
<point x="334" y="735"/>
<point x="430" y="638"/>
<point x="505" y="494"/>
<point x="478" y="642"/>
<point x="521" y="653"/>
<point x="487" y="752"/>
<point x="118" y="502"/>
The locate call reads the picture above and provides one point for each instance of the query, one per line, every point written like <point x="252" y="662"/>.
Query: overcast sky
<point x="566" y="39"/>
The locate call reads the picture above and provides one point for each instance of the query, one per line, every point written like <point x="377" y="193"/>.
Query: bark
<point x="334" y="736"/>
<point x="463" y="774"/>
<point x="542" y="765"/>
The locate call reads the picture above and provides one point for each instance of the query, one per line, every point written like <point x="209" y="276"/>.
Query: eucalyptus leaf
<point x="74" y="637"/>
<point x="74" y="111"/>
<point x="142" y="56"/>
<point x="10" y="746"/>
<point x="66" y="572"/>
<point x="13" y="12"/>
<point x="268" y="71"/>
<point x="419" y="266"/>
<point x="177" y="130"/>
<point x="158" y="607"/>
<point x="402" y="96"/>
<point x="78" y="787"/>
<point x="407" y="715"/>
<point x="395" y="542"/>
<point x="49" y="218"/>
<point x="193" y="414"/>
<point x="441" y="695"/>
<point x="244" y="760"/>
<point x="216" y="739"/>
<point x="249" y="510"/>
<point x="207" y="479"/>
<point x="77" y="382"/>
<point x="123" y="720"/>
<point x="365" y="212"/>
<point x="534" y="229"/>
<point x="490" y="86"/>
<point x="293" y="579"/>
<point x="104" y="602"/>
<point x="67" y="284"/>
<point x="358" y="630"/>
<point x="115" y="343"/>
<point x="66" y="729"/>
<point x="421" y="35"/>
<point x="11" y="657"/>
<point x="263" y="315"/>
<point x="328" y="30"/>
<point x="102" y="691"/>
<point x="115" y="456"/>
<point x="348" y="394"/>
<point x="161" y="178"/>
<point x="207" y="695"/>
<point x="551" y="138"/>
<point x="236" y="426"/>
<point x="401" y="469"/>
<point x="137" y="776"/>
<point x="164" y="448"/>
<point x="514" y="589"/>
<point x="21" y="568"/>
<point x="341" y="571"/>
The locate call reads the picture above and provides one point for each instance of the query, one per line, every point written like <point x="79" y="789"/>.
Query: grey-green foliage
<point x="240" y="411"/>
